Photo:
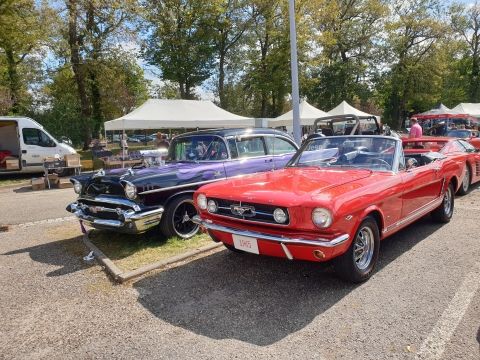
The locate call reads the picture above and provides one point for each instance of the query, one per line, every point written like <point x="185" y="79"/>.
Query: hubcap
<point x="182" y="219"/>
<point x="363" y="248"/>
<point x="447" y="201"/>
<point x="466" y="180"/>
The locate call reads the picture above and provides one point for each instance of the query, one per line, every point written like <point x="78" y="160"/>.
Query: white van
<point x="24" y="144"/>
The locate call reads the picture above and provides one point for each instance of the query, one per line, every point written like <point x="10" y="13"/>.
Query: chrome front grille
<point x="248" y="211"/>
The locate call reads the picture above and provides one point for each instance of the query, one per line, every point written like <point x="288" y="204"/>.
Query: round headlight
<point x="322" y="217"/>
<point x="280" y="216"/>
<point x="130" y="190"/>
<point x="202" y="201"/>
<point x="77" y="187"/>
<point x="212" y="206"/>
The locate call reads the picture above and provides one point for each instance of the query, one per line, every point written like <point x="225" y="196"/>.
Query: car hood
<point x="290" y="186"/>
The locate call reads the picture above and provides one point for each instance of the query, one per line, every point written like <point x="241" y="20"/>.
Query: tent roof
<point x="442" y="109"/>
<point x="157" y="114"/>
<point x="345" y="108"/>
<point x="308" y="114"/>
<point x="468" y="108"/>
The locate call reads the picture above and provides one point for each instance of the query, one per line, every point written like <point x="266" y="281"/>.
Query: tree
<point x="95" y="27"/>
<point x="347" y="32"/>
<point x="181" y="41"/>
<point x="414" y="32"/>
<point x="233" y="19"/>
<point x="23" y="29"/>
<point x="466" y="23"/>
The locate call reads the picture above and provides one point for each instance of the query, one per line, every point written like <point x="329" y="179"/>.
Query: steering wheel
<point x="378" y="161"/>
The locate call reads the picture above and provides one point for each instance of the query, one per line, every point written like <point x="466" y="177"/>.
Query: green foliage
<point x="122" y="88"/>
<point x="181" y="42"/>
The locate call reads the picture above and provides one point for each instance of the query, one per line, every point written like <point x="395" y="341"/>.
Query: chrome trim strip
<point x="181" y="186"/>
<point x="109" y="200"/>
<point x="208" y="224"/>
<point x="415" y="214"/>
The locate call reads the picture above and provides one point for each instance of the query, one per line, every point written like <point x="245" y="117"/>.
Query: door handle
<point x="270" y="160"/>
<point x="24" y="151"/>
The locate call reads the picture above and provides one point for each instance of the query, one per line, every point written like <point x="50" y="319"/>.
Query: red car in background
<point x="460" y="150"/>
<point x="337" y="199"/>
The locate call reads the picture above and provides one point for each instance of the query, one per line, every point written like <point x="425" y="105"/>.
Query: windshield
<point x="459" y="133"/>
<point x="365" y="152"/>
<point x="197" y="148"/>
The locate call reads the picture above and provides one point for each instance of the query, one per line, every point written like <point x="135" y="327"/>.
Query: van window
<point x="37" y="137"/>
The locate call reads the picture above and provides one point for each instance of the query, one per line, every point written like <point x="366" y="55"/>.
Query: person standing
<point x="416" y="130"/>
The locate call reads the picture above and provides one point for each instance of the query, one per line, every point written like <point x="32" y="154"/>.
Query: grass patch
<point x="129" y="252"/>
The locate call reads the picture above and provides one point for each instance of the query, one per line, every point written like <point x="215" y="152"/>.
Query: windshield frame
<point x="396" y="157"/>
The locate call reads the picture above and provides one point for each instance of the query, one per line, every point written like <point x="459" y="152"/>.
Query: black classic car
<point x="136" y="199"/>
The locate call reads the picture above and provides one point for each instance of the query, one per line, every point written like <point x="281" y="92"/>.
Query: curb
<point x="123" y="276"/>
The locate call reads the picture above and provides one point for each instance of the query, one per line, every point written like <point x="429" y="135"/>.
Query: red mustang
<point x="462" y="151"/>
<point x="338" y="197"/>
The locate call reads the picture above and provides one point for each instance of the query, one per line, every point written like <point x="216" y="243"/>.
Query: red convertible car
<point x="460" y="150"/>
<point x="336" y="199"/>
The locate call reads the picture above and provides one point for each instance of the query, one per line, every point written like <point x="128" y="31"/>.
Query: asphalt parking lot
<point x="422" y="303"/>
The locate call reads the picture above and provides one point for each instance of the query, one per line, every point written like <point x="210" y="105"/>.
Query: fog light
<point x="280" y="216"/>
<point x="212" y="206"/>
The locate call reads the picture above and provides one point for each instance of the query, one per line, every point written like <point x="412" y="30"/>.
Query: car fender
<point x="171" y="197"/>
<point x="372" y="210"/>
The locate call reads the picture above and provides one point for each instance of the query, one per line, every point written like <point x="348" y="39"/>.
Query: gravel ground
<point x="229" y="305"/>
<point x="20" y="204"/>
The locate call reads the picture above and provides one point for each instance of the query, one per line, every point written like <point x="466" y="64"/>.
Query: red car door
<point x="421" y="185"/>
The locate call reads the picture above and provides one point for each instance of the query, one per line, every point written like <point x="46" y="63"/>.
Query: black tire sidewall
<point x="439" y="213"/>
<point x="462" y="191"/>
<point x="166" y="225"/>
<point x="345" y="264"/>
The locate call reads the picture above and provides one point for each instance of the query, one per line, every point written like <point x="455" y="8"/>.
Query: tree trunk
<point x="221" y="80"/>
<point x="13" y="80"/>
<point x="79" y="72"/>
<point x="474" y="80"/>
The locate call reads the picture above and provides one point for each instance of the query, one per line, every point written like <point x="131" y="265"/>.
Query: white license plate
<point x="245" y="243"/>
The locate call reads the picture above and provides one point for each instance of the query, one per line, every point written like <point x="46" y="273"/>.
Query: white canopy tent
<point x="308" y="114"/>
<point x="441" y="110"/>
<point x="472" y="109"/>
<point x="345" y="108"/>
<point x="158" y="114"/>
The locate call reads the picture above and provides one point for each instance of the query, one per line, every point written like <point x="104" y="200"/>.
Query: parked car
<point x="24" y="144"/>
<point x="462" y="133"/>
<point x="460" y="150"/>
<point x="135" y="200"/>
<point x="336" y="199"/>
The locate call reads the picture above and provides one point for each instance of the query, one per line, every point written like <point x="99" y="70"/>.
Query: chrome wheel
<point x="363" y="248"/>
<point x="182" y="219"/>
<point x="447" y="201"/>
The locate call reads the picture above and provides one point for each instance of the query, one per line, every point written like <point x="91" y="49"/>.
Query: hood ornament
<point x="99" y="173"/>
<point x="129" y="172"/>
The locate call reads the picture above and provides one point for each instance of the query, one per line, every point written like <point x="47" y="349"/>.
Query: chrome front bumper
<point x="129" y="221"/>
<point x="208" y="224"/>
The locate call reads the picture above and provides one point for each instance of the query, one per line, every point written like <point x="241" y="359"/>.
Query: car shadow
<point x="67" y="254"/>
<point x="258" y="300"/>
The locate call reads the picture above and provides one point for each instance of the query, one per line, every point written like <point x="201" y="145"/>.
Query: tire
<point x="444" y="212"/>
<point x="465" y="182"/>
<point x="360" y="269"/>
<point x="176" y="218"/>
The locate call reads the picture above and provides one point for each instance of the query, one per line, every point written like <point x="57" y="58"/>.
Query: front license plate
<point x="245" y="243"/>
